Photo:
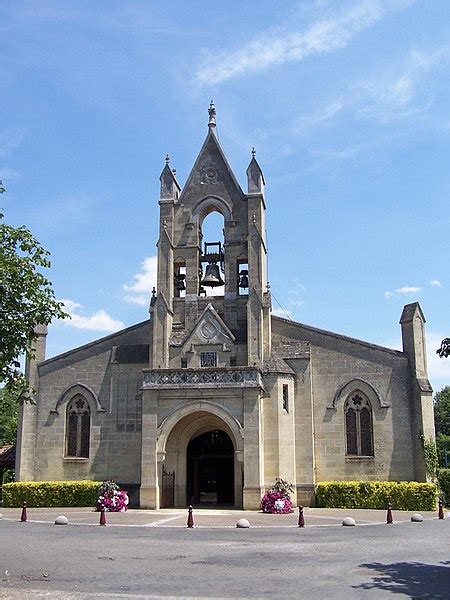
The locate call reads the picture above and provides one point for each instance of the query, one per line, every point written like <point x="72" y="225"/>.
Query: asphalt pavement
<point x="140" y="556"/>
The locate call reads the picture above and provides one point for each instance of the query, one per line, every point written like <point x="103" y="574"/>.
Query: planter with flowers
<point x="277" y="499"/>
<point x="111" y="498"/>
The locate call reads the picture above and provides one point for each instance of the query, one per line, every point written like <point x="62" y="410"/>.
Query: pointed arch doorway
<point x="210" y="469"/>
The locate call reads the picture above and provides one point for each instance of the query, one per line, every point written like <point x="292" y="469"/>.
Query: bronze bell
<point x="243" y="278"/>
<point x="179" y="282"/>
<point x="212" y="276"/>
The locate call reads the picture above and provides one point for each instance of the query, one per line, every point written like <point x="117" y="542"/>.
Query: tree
<point x="27" y="300"/>
<point x="442" y="422"/>
<point x="444" y="350"/>
<point x="9" y="406"/>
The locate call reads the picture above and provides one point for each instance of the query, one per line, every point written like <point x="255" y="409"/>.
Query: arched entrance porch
<point x="200" y="443"/>
<point x="210" y="469"/>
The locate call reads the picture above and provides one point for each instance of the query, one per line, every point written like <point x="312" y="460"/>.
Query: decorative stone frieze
<point x="214" y="377"/>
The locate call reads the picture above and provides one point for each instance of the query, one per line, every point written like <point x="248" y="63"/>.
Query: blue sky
<point x="346" y="102"/>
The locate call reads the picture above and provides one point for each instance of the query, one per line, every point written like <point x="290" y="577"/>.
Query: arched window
<point x="358" y="425"/>
<point x="78" y="427"/>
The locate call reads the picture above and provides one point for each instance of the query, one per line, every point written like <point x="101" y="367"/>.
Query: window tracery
<point x="358" y="425"/>
<point x="78" y="428"/>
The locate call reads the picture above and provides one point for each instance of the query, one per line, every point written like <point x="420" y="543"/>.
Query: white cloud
<point x="400" y="91"/>
<point x="388" y="295"/>
<point x="322" y="115"/>
<point x="436" y="282"/>
<point x="413" y="289"/>
<point x="99" y="321"/>
<point x="139" y="291"/>
<point x="287" y="45"/>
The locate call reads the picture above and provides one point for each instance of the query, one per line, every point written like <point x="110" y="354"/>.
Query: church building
<point x="213" y="397"/>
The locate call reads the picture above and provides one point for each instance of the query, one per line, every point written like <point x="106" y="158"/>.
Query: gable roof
<point x="211" y="143"/>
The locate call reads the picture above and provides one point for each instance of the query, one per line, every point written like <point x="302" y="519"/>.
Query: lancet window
<point x="78" y="428"/>
<point x="358" y="425"/>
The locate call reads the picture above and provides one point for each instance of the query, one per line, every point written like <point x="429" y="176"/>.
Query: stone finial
<point x="253" y="152"/>
<point x="212" y="114"/>
<point x="153" y="298"/>
<point x="167" y="159"/>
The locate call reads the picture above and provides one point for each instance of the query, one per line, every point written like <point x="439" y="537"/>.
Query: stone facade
<point x="213" y="397"/>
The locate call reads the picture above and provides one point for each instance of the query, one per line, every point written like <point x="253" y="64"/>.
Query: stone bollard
<point x="24" y="516"/>
<point x="416" y="518"/>
<point x="61" y="520"/>
<point x="349" y="522"/>
<point x="389" y="519"/>
<point x="243" y="524"/>
<point x="102" y="517"/>
<point x="301" y="518"/>
<point x="441" y="509"/>
<point x="190" y="520"/>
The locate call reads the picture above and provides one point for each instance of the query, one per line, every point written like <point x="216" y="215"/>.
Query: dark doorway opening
<point x="210" y="469"/>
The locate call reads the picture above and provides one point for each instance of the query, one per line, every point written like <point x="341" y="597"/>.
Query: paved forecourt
<point x="209" y="517"/>
<point x="323" y="560"/>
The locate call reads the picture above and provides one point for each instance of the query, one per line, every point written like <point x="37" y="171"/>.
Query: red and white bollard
<point x="301" y="518"/>
<point x="441" y="509"/>
<point x="389" y="519"/>
<point x="102" y="517"/>
<point x="190" y="520"/>
<point x="24" y="516"/>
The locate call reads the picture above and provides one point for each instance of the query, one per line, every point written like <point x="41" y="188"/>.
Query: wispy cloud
<point x="7" y="173"/>
<point x="400" y="92"/>
<point x="99" y="321"/>
<point x="10" y="139"/>
<point x="284" y="44"/>
<point x="139" y="291"/>
<point x="436" y="283"/>
<point x="135" y="17"/>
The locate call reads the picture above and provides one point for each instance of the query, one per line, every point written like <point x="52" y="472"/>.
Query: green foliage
<point x="8" y="475"/>
<point x="444" y="350"/>
<point x="442" y="411"/>
<point x="430" y="457"/>
<point x="51" y="493"/>
<point x="9" y="406"/>
<point x="282" y="486"/>
<point x="442" y="423"/>
<point x="403" y="495"/>
<point x="444" y="483"/>
<point x="443" y="449"/>
<point x="28" y="300"/>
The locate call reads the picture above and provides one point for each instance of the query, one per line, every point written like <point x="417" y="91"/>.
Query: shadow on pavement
<point x="413" y="579"/>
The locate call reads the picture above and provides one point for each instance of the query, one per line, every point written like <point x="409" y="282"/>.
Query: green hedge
<point x="51" y="493"/>
<point x="444" y="483"/>
<point x="403" y="495"/>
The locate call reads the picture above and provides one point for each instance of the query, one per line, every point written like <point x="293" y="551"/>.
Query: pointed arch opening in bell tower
<point x="211" y="240"/>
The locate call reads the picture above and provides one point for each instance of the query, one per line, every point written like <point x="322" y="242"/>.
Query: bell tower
<point x="191" y="268"/>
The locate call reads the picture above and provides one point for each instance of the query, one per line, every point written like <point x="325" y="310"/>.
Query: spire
<point x="255" y="177"/>
<point x="212" y="115"/>
<point x="169" y="186"/>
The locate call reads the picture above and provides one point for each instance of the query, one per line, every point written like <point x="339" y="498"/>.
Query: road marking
<point x="161" y="521"/>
